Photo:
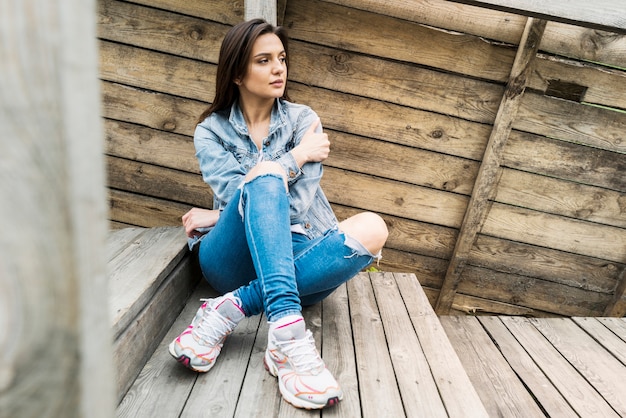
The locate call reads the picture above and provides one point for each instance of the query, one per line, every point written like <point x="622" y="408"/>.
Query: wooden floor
<point x="394" y="357"/>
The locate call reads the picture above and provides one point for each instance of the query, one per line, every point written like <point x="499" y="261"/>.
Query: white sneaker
<point x="291" y="355"/>
<point x="199" y="345"/>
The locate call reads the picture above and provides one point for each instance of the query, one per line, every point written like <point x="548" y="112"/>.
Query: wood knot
<point x="169" y="125"/>
<point x="340" y="63"/>
<point x="436" y="134"/>
<point x="197" y="34"/>
<point x="399" y="201"/>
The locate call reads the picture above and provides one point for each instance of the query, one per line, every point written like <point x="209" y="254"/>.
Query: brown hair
<point x="233" y="61"/>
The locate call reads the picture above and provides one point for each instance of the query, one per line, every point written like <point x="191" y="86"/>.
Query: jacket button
<point x="292" y="173"/>
<point x="307" y="225"/>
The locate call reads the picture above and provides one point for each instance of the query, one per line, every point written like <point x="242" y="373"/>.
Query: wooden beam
<point x="488" y="174"/>
<point x="607" y="15"/>
<point x="265" y="9"/>
<point x="54" y="328"/>
<point x="617" y="307"/>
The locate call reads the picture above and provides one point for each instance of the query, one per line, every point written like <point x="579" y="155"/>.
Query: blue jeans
<point x="268" y="267"/>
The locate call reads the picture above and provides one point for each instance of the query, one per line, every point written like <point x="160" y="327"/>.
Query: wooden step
<point x="378" y="335"/>
<point x="151" y="276"/>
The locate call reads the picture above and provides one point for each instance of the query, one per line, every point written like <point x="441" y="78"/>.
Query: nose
<point x="279" y="66"/>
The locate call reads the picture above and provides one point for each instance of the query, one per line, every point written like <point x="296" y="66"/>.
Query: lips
<point x="277" y="83"/>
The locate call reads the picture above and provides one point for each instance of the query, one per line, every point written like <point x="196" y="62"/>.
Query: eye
<point x="283" y="59"/>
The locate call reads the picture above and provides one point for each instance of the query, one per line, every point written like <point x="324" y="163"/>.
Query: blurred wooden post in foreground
<point x="54" y="326"/>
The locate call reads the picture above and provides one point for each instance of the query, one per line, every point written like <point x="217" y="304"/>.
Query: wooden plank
<point x="487" y="178"/>
<point x="603" y="335"/>
<point x="398" y="162"/>
<point x="579" y="237"/>
<point x="337" y="351"/>
<point x="602" y="14"/>
<point x="582" y="397"/>
<point x="602" y="371"/>
<point x="118" y="240"/>
<point x="259" y="396"/>
<point x="616" y="325"/>
<point x="132" y="281"/>
<point x="499" y="388"/>
<point x="559" y="38"/>
<point x="56" y="357"/>
<point x="144" y="211"/>
<point x="566" y="198"/>
<point x="261" y="9"/>
<point x="385" y="196"/>
<point x="455" y="388"/>
<point x="158" y="182"/>
<point x="568" y="269"/>
<point x="377" y="381"/>
<point x="565" y="160"/>
<point x="417" y="386"/>
<point x="139" y="143"/>
<point x="158" y="111"/>
<point x="134" y="346"/>
<point x="217" y="392"/>
<point x="217" y="10"/>
<point x="163" y="385"/>
<point x="528" y="371"/>
<point x="534" y="293"/>
<point x="596" y="127"/>
<point x="397" y="39"/>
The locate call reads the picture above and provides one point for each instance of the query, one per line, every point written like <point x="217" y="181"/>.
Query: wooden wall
<point x="409" y="95"/>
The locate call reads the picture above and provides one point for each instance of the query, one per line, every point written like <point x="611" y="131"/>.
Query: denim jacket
<point x="226" y="153"/>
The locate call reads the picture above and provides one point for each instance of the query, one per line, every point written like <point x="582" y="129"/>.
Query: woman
<point x="271" y="244"/>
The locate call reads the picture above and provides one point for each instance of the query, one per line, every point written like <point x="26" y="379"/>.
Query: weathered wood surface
<point x="56" y="355"/>
<point x="602" y="14"/>
<point x="149" y="269"/>
<point x="409" y="123"/>
<point x="395" y="357"/>
<point x="485" y="185"/>
<point x="378" y="335"/>
<point x="572" y="367"/>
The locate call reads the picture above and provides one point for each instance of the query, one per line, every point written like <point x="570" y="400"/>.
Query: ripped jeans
<point x="270" y="268"/>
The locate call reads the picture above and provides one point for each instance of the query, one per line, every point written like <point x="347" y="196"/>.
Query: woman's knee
<point x="267" y="167"/>
<point x="368" y="228"/>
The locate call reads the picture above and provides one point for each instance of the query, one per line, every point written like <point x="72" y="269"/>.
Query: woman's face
<point x="266" y="75"/>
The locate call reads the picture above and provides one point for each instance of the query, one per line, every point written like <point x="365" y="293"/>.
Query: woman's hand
<point x="199" y="218"/>
<point x="314" y="147"/>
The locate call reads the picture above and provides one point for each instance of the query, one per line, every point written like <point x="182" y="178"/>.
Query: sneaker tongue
<point x="290" y="328"/>
<point x="229" y="309"/>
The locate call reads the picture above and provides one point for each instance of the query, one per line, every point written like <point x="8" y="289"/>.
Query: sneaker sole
<point x="290" y="398"/>
<point x="186" y="361"/>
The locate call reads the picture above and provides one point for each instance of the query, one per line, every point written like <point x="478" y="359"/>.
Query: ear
<point x="237" y="81"/>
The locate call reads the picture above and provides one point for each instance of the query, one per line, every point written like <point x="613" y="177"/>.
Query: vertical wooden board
<point x="497" y="384"/>
<point x="534" y="379"/>
<point x="54" y="333"/>
<point x="338" y="352"/>
<point x="259" y="395"/>
<point x="455" y="388"/>
<point x="603" y="371"/>
<point x="583" y="398"/>
<point x="163" y="385"/>
<point x="604" y="336"/>
<point x="377" y="382"/>
<point x="417" y="385"/>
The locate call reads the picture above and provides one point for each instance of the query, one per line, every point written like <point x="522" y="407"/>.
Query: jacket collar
<point x="278" y="118"/>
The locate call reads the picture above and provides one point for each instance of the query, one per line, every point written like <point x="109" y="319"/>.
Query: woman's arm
<point x="220" y="169"/>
